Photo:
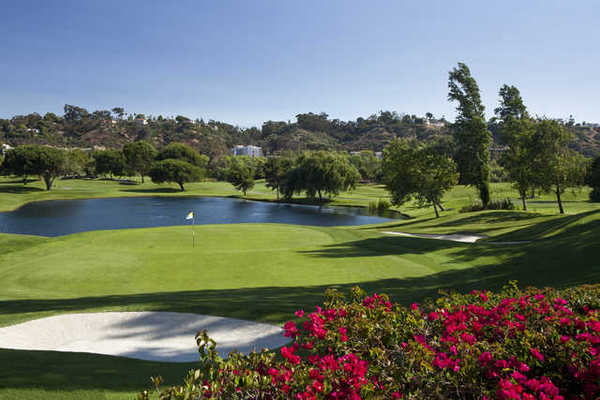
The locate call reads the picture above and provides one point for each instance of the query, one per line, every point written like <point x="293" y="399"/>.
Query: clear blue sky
<point x="245" y="62"/>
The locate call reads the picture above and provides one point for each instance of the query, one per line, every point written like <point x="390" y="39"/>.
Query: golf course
<point x="261" y="272"/>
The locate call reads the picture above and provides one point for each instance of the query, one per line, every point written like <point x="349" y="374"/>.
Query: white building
<point x="249" y="150"/>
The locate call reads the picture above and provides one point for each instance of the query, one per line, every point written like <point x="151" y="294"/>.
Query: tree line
<point x="535" y="153"/>
<point x="176" y="163"/>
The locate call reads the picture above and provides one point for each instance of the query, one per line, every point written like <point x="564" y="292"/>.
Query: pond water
<point x="63" y="217"/>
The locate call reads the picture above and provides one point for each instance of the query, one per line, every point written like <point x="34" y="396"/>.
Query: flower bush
<point x="515" y="344"/>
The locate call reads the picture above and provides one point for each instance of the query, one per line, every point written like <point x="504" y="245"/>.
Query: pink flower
<point x="536" y="353"/>
<point x="300" y="313"/>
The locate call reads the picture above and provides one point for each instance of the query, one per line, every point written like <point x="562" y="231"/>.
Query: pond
<point x="63" y="217"/>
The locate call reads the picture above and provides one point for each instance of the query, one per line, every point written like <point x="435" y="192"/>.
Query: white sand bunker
<point x="452" y="237"/>
<point x="154" y="336"/>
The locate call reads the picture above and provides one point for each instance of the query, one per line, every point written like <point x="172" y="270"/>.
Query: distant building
<point x="590" y="125"/>
<point x="249" y="150"/>
<point x="377" y="154"/>
<point x="141" y="122"/>
<point x="434" y="122"/>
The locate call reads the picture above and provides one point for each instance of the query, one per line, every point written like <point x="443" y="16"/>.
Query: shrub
<point x="379" y="205"/>
<point x="505" y="204"/>
<point x="531" y="344"/>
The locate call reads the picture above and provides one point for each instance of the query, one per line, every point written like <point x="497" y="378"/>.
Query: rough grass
<point x="259" y="271"/>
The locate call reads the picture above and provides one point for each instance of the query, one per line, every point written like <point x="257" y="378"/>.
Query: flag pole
<point x="193" y="232"/>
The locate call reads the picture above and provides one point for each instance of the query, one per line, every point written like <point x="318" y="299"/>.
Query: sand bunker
<point x="155" y="336"/>
<point x="453" y="237"/>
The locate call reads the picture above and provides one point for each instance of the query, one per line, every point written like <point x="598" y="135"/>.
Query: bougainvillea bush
<point x="515" y="344"/>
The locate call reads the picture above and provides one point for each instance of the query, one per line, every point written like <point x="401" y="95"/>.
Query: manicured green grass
<point x="260" y="272"/>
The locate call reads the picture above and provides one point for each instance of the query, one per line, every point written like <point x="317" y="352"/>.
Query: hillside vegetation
<point x="113" y="129"/>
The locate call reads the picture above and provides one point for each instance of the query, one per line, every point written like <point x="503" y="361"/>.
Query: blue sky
<point x="245" y="62"/>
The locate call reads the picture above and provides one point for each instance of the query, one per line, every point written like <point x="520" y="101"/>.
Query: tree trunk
<point x="533" y="193"/>
<point x="441" y="206"/>
<point x="48" y="180"/>
<point x="320" y="196"/>
<point x="560" y="206"/>
<point x="142" y="175"/>
<point x="523" y="195"/>
<point x="484" y="194"/>
<point x="181" y="186"/>
<point x="437" y="215"/>
<point x="277" y="193"/>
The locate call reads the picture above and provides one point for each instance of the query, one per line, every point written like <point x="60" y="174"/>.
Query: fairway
<point x="263" y="272"/>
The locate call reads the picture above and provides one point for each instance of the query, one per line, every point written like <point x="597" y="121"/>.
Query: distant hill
<point x="112" y="129"/>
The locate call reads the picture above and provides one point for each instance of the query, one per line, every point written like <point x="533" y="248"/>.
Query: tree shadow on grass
<point x="19" y="189"/>
<point x="67" y="372"/>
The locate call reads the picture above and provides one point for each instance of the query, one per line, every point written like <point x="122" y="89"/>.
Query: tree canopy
<point x="412" y="171"/>
<point x="139" y="157"/>
<point x="559" y="166"/>
<point x="176" y="171"/>
<point x="181" y="151"/>
<point x="320" y="173"/>
<point x="240" y="174"/>
<point x="46" y="162"/>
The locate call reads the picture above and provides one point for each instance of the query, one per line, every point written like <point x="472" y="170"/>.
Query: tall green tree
<point x="417" y="172"/>
<point x="472" y="137"/>
<point x="139" y="157"/>
<point x="109" y="162"/>
<point x="241" y="174"/>
<point x="517" y="134"/>
<point x="176" y="171"/>
<point x="559" y="167"/>
<point x="276" y="169"/>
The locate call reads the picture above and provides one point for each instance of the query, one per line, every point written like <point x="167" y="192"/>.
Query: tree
<point x="241" y="174"/>
<point x="558" y="166"/>
<point x="74" y="113"/>
<point x="517" y="133"/>
<point x="46" y="162"/>
<point x="367" y="165"/>
<point x="109" y="162"/>
<point x="181" y="151"/>
<point x="593" y="179"/>
<point x="76" y="162"/>
<point x="119" y="112"/>
<point x="470" y="132"/>
<point x="319" y="173"/>
<point x="417" y="172"/>
<point x="19" y="162"/>
<point x="139" y="157"/>
<point x="276" y="169"/>
<point x="176" y="171"/>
